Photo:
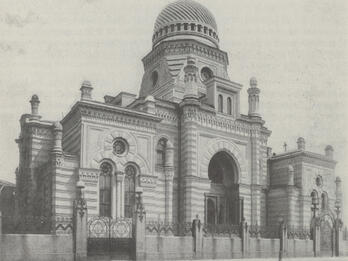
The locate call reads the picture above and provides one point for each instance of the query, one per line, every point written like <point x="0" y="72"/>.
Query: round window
<point x="120" y="146"/>
<point x="206" y="74"/>
<point x="154" y="78"/>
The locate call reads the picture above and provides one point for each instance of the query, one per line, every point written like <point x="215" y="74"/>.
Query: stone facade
<point x="183" y="140"/>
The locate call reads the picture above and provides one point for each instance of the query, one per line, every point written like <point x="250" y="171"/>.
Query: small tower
<point x="86" y="90"/>
<point x="253" y="92"/>
<point x="35" y="105"/>
<point x="190" y="79"/>
<point x="301" y="143"/>
<point x="329" y="151"/>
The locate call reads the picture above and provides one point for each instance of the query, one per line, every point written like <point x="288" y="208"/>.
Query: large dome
<point x="185" y="19"/>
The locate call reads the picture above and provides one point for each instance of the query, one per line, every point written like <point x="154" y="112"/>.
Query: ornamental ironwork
<point x="264" y="231"/>
<point x="106" y="227"/>
<point x="298" y="232"/>
<point x="221" y="230"/>
<point x="168" y="228"/>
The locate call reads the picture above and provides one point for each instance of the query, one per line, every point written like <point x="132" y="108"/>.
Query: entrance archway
<point x="222" y="203"/>
<point x="326" y="235"/>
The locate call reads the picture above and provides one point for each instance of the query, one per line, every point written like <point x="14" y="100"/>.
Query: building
<point x="183" y="140"/>
<point x="7" y="198"/>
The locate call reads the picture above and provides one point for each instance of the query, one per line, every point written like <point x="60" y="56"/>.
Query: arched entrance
<point x="222" y="203"/>
<point x="326" y="235"/>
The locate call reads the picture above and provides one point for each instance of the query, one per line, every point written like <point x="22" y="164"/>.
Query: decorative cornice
<point x="184" y="47"/>
<point x="306" y="156"/>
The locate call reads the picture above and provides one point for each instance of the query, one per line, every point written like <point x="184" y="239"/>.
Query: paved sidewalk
<point x="284" y="259"/>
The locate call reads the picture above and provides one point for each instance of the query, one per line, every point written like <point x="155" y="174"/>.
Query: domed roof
<point x="194" y="19"/>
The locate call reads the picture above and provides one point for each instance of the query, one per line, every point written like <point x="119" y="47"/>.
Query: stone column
<point x="80" y="224"/>
<point x="169" y="174"/>
<point x="140" y="221"/>
<point x="120" y="196"/>
<point x="113" y="197"/>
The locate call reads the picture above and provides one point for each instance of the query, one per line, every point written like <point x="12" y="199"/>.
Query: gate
<point x="110" y="238"/>
<point x="326" y="236"/>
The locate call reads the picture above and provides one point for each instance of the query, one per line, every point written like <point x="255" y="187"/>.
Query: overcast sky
<point x="297" y="50"/>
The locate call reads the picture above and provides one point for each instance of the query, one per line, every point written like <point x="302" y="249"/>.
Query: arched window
<point x="129" y="191"/>
<point x="211" y="212"/>
<point x="324" y="201"/>
<point x="161" y="152"/>
<point x="220" y="103"/>
<point x="105" y="189"/>
<point x="229" y="106"/>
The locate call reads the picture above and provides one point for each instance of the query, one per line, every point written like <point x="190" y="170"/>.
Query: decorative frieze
<point x="119" y="119"/>
<point x="90" y="175"/>
<point x="38" y="132"/>
<point x="147" y="181"/>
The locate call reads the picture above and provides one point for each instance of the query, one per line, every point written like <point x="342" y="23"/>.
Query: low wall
<point x="345" y="247"/>
<point x="176" y="248"/>
<point x="222" y="248"/>
<point x="299" y="248"/>
<point x="168" y="247"/>
<point x="29" y="247"/>
<point x="263" y="247"/>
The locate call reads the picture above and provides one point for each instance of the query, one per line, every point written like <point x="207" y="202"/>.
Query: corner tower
<point x="182" y="30"/>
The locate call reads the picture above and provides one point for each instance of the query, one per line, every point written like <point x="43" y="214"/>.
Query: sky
<point x="297" y="50"/>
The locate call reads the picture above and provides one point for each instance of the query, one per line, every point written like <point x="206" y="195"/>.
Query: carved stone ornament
<point x="148" y="181"/>
<point x="81" y="206"/>
<point x="58" y="162"/>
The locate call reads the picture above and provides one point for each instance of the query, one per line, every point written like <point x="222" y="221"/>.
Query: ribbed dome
<point x="185" y="17"/>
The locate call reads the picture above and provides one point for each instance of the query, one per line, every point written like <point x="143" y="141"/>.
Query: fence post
<point x="245" y="237"/>
<point x="80" y="225"/>
<point x="0" y="235"/>
<point x="338" y="237"/>
<point x="316" y="237"/>
<point x="140" y="223"/>
<point x="282" y="239"/>
<point x="197" y="237"/>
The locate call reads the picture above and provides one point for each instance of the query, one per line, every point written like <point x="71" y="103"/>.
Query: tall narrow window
<point x="220" y="103"/>
<point x="229" y="106"/>
<point x="161" y="152"/>
<point x="129" y="189"/>
<point x="324" y="201"/>
<point x="211" y="211"/>
<point x="105" y="189"/>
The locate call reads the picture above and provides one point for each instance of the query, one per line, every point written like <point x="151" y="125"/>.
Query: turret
<point x="329" y="151"/>
<point x="190" y="78"/>
<point x="86" y="90"/>
<point x="35" y="105"/>
<point x="253" y="100"/>
<point x="301" y="143"/>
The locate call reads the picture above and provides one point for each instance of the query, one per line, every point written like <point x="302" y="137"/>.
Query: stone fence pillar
<point x="339" y="247"/>
<point x="0" y="235"/>
<point x="283" y="237"/>
<point x="245" y="237"/>
<point x="197" y="237"/>
<point x="316" y="237"/>
<point x="80" y="225"/>
<point x="140" y="222"/>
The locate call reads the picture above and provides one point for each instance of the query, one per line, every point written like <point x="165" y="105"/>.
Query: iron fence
<point x="298" y="232"/>
<point x="166" y="228"/>
<point x="26" y="225"/>
<point x="264" y="231"/>
<point x="221" y="230"/>
<point x="107" y="227"/>
<point x="36" y="225"/>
